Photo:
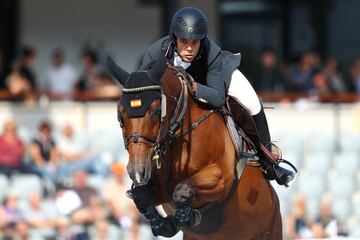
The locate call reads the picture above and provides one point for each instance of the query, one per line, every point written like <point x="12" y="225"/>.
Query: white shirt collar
<point x="179" y="62"/>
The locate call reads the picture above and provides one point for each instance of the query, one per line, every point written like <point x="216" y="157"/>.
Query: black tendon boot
<point x="145" y="203"/>
<point x="272" y="170"/>
<point x="181" y="198"/>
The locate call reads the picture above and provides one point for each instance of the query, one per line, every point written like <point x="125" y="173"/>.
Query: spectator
<point x="75" y="156"/>
<point x="70" y="199"/>
<point x="11" y="212"/>
<point x="91" y="208"/>
<point x="63" y="230"/>
<point x="41" y="220"/>
<point x="355" y="74"/>
<point x="90" y="70"/>
<point x="297" y="221"/>
<point x="61" y="78"/>
<point x="27" y="60"/>
<point x="317" y="231"/>
<point x="328" y="221"/>
<point x="81" y="187"/>
<point x="300" y="75"/>
<point x="12" y="150"/>
<point x="334" y="78"/>
<point x="92" y="212"/>
<point x="21" y="232"/>
<point x="321" y="84"/>
<point x="104" y="88"/>
<point x="2" y="71"/>
<point x="114" y="193"/>
<point x="66" y="201"/>
<point x="43" y="152"/>
<point x="134" y="233"/>
<point x="20" y="88"/>
<point x="268" y="77"/>
<point x="102" y="79"/>
<point x="104" y="231"/>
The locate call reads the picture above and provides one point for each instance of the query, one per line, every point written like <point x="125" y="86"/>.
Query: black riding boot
<point x="272" y="170"/>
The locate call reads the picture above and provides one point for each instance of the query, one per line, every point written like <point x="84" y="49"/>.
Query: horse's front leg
<point x="145" y="202"/>
<point x="207" y="185"/>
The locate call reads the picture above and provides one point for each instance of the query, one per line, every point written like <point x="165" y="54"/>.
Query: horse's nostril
<point x="140" y="173"/>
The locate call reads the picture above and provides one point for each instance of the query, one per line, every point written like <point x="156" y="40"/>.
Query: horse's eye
<point x="156" y="112"/>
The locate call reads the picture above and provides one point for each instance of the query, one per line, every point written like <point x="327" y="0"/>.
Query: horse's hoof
<point x="183" y="194"/>
<point x="165" y="227"/>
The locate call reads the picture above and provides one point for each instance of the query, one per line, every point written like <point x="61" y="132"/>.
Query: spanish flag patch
<point x="135" y="103"/>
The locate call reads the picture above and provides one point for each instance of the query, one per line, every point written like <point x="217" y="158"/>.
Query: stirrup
<point x="288" y="163"/>
<point x="294" y="176"/>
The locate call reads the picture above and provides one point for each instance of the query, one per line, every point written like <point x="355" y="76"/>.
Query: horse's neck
<point x="194" y="112"/>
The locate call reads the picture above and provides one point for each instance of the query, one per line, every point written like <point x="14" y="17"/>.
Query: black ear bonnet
<point x="140" y="88"/>
<point x="138" y="93"/>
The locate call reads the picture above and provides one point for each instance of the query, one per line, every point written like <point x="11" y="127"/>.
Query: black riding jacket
<point x="211" y="69"/>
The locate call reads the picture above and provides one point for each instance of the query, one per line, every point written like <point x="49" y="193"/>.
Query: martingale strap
<point x="195" y="124"/>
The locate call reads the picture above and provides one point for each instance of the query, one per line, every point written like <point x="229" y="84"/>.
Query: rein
<point x="177" y="119"/>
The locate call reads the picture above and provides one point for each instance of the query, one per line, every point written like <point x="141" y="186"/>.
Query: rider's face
<point x="187" y="48"/>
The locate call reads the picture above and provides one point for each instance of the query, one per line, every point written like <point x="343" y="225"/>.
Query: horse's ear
<point x="159" y="68"/>
<point x="117" y="72"/>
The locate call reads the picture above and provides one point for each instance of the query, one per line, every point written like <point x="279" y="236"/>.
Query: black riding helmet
<point x="189" y="23"/>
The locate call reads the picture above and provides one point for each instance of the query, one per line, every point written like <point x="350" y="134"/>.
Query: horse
<point x="182" y="157"/>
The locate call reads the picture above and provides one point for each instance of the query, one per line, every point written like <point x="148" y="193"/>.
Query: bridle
<point x="136" y="137"/>
<point x="161" y="144"/>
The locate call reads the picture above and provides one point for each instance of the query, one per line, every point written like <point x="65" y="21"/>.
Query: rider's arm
<point x="214" y="91"/>
<point x="146" y="60"/>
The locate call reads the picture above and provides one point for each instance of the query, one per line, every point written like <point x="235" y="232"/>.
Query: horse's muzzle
<point x="140" y="173"/>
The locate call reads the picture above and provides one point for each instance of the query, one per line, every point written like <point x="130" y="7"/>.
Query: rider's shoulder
<point x="153" y="52"/>
<point x="212" y="48"/>
<point x="159" y="45"/>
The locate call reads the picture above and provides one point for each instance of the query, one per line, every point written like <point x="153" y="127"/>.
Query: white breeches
<point x="242" y="91"/>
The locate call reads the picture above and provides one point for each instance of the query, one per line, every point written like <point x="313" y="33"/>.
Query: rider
<point x="216" y="74"/>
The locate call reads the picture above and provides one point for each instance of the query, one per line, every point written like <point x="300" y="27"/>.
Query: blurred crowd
<point x="298" y="224"/>
<point x="306" y="74"/>
<point x="49" y="195"/>
<point x="61" y="81"/>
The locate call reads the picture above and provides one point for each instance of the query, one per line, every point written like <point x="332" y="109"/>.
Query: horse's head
<point x="139" y="114"/>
